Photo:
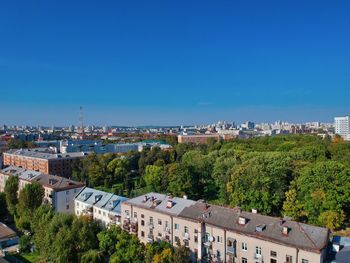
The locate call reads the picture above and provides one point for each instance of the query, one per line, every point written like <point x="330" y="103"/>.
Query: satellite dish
<point x="211" y="238"/>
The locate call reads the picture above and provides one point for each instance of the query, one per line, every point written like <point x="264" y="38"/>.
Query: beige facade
<point x="212" y="238"/>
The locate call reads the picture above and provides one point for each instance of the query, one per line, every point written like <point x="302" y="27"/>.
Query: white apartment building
<point x="59" y="191"/>
<point x="342" y="127"/>
<point x="98" y="205"/>
<point x="219" y="234"/>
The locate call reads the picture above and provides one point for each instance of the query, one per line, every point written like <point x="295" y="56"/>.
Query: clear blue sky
<point x="173" y="62"/>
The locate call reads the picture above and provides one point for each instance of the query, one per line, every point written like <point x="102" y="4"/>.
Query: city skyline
<point x="173" y="63"/>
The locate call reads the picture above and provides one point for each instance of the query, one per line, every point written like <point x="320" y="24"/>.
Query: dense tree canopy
<point x="272" y="174"/>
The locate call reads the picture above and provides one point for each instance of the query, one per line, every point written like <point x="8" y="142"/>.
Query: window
<point x="159" y="222"/>
<point x="135" y="215"/>
<point x="99" y="212"/>
<point x="273" y="253"/>
<point x="273" y="260"/>
<point x="218" y="254"/>
<point x="219" y="239"/>
<point x="166" y="224"/>
<point x="142" y="233"/>
<point x="177" y="240"/>
<point x="151" y="220"/>
<point x="176" y="226"/>
<point x="104" y="213"/>
<point x="142" y="216"/>
<point x="142" y="222"/>
<point x="258" y="251"/>
<point x="289" y="259"/>
<point x="304" y="261"/>
<point x="244" y="260"/>
<point x="195" y="239"/>
<point x="159" y="234"/>
<point x="186" y="229"/>
<point x="67" y="192"/>
<point x="244" y="246"/>
<point x="67" y="207"/>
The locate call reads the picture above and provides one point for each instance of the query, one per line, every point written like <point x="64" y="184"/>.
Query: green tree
<point x="324" y="186"/>
<point x="128" y="250"/>
<point x="30" y="197"/>
<point x="260" y="182"/>
<point x="108" y="238"/>
<point x="182" y="255"/>
<point x="153" y="177"/>
<point x="11" y="189"/>
<point x="92" y="256"/>
<point x="24" y="244"/>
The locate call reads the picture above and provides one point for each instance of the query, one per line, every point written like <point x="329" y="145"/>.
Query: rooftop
<point x="162" y="203"/>
<point x="36" y="153"/>
<point x="101" y="199"/>
<point x="12" y="170"/>
<point x="57" y="183"/>
<point x="6" y="232"/>
<point x="297" y="234"/>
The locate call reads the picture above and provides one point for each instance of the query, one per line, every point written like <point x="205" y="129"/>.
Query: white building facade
<point x="342" y="127"/>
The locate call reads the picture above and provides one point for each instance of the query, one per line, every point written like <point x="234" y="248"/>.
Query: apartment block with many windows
<point x="219" y="234"/>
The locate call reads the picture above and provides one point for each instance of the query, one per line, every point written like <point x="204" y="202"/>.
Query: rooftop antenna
<point x="81" y="124"/>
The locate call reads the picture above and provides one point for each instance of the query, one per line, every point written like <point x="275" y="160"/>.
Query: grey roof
<point x="159" y="203"/>
<point x="101" y="199"/>
<point x="36" y="153"/>
<point x="12" y="170"/>
<point x="28" y="175"/>
<point x="299" y="235"/>
<point x="55" y="182"/>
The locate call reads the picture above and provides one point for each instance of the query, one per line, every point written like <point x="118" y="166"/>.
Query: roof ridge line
<point x="308" y="237"/>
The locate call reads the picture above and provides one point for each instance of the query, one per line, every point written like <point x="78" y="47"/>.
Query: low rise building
<point x="6" y="173"/>
<point x="44" y="162"/>
<point x="99" y="205"/>
<point x="8" y="237"/>
<point x="59" y="191"/>
<point x="197" y="138"/>
<point x="219" y="234"/>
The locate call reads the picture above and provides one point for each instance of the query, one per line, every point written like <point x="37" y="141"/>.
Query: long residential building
<point x="59" y="191"/>
<point x="99" y="205"/>
<point x="219" y="234"/>
<point x="44" y="162"/>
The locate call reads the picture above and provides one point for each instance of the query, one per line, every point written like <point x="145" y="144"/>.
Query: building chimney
<point x="185" y="197"/>
<point x="169" y="204"/>
<point x="242" y="220"/>
<point x="254" y="211"/>
<point x="285" y="230"/>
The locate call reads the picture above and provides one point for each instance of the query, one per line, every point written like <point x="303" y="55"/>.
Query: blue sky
<point x="173" y="62"/>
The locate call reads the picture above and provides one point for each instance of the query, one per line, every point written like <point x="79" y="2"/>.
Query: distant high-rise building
<point x="342" y="126"/>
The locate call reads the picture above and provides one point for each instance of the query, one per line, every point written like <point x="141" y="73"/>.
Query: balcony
<point x="150" y="238"/>
<point x="258" y="258"/>
<point x="150" y="225"/>
<point x="186" y="236"/>
<point x="126" y="225"/>
<point x="134" y="227"/>
<point x="231" y="250"/>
